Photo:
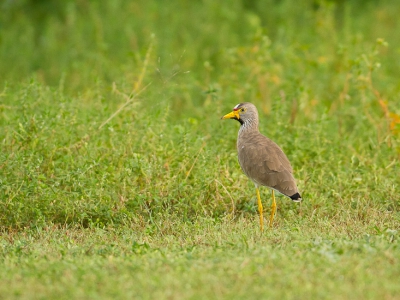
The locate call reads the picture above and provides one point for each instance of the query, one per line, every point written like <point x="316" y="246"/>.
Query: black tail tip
<point x="296" y="197"/>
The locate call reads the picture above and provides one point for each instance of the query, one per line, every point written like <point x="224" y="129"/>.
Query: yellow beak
<point x="232" y="115"/>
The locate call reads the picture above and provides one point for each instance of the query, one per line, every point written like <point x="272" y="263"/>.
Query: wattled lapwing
<point x="261" y="159"/>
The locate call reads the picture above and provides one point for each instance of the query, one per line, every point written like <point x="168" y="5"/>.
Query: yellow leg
<point x="260" y="210"/>
<point x="273" y="209"/>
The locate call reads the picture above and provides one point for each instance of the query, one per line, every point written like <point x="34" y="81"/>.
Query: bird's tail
<point x="296" y="197"/>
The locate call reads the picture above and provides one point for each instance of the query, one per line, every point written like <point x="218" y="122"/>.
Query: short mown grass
<point x="119" y="180"/>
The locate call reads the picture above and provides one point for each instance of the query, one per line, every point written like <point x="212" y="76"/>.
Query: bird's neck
<point x="248" y="126"/>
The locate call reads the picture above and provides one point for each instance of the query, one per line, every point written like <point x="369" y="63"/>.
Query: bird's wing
<point x="267" y="155"/>
<point x="265" y="163"/>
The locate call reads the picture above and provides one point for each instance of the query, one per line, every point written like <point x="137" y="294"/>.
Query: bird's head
<point x="243" y="112"/>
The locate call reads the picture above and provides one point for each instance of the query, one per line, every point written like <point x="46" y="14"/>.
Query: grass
<point x="118" y="179"/>
<point x="205" y="259"/>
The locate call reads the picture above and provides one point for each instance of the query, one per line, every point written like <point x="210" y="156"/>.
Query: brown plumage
<point x="261" y="159"/>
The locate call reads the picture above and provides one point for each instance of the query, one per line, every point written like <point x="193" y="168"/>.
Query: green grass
<point x="119" y="180"/>
<point x="207" y="258"/>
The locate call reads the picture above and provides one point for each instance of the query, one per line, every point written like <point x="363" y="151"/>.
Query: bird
<point x="261" y="159"/>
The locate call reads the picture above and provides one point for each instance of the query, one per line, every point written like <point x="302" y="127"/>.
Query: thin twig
<point x="190" y="170"/>
<point x="145" y="64"/>
<point x="129" y="101"/>
<point x="226" y="191"/>
<point x="135" y="91"/>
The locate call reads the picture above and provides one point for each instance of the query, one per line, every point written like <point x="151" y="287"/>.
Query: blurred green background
<point x="84" y="41"/>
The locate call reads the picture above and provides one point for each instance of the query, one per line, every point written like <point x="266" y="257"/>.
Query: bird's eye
<point x="242" y="110"/>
